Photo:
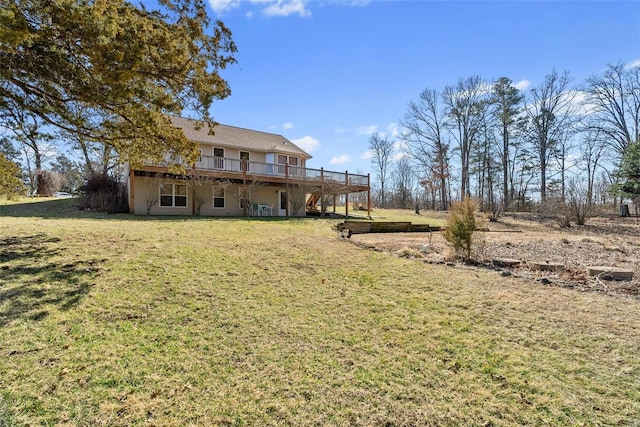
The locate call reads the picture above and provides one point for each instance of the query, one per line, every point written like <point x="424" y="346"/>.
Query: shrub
<point x="47" y="183"/>
<point x="462" y="225"/>
<point x="104" y="193"/>
<point x="556" y="209"/>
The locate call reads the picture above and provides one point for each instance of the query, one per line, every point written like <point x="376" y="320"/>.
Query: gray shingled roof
<point x="231" y="136"/>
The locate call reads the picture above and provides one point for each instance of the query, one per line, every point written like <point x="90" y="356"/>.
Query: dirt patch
<point x="613" y="242"/>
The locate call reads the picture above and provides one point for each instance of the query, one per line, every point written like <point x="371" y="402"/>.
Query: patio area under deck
<point x="317" y="182"/>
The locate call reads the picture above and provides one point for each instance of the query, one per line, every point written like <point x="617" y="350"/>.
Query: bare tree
<point x="550" y="111"/>
<point x="404" y="182"/>
<point x="423" y="135"/>
<point x="465" y="105"/>
<point x="35" y="143"/>
<point x="381" y="149"/>
<point x="613" y="100"/>
<point x="561" y="154"/>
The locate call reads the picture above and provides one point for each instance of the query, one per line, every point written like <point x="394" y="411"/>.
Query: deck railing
<point x="237" y="166"/>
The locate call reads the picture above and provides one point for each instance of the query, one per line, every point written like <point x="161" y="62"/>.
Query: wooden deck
<point x="317" y="180"/>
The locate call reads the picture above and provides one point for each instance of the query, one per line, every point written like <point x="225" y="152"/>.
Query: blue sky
<point x="326" y="74"/>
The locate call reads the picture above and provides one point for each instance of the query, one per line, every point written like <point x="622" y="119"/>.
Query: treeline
<point x="557" y="142"/>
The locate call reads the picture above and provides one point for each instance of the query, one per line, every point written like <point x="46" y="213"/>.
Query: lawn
<point x="121" y="320"/>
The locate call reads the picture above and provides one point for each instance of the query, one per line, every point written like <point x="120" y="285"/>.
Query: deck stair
<point x="312" y="201"/>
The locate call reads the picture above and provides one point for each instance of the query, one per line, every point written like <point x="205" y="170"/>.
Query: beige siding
<point x="233" y="153"/>
<point x="148" y="188"/>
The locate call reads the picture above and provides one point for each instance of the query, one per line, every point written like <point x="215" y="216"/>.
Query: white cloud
<point x="398" y="156"/>
<point x="279" y="7"/>
<point x="339" y="160"/>
<point x="351" y="3"/>
<point x="221" y="6"/>
<point x="367" y="155"/>
<point x="307" y="143"/>
<point x="399" y="145"/>
<point x="286" y="8"/>
<point x="367" y="130"/>
<point x="633" y="64"/>
<point x="393" y="130"/>
<point x="287" y="125"/>
<point x="522" y="84"/>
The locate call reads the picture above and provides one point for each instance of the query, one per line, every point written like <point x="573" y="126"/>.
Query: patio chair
<point x="267" y="210"/>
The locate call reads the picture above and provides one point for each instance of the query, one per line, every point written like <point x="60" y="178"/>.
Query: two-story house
<point x="240" y="172"/>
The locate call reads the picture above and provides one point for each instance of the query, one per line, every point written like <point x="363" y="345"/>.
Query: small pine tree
<point x="462" y="225"/>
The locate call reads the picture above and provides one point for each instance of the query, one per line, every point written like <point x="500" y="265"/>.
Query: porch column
<point x="131" y="187"/>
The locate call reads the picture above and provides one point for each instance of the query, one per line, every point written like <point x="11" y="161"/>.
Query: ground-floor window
<point x="173" y="195"/>
<point x="218" y="197"/>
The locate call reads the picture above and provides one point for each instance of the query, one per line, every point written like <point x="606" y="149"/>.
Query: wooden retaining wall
<point x="361" y="227"/>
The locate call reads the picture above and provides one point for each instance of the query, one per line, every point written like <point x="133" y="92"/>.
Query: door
<point x="218" y="158"/>
<point x="244" y="161"/>
<point x="282" y="203"/>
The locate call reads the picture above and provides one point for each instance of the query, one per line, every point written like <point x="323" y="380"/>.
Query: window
<point x="173" y="195"/>
<point x="286" y="160"/>
<point x="218" y="197"/>
<point x="200" y="155"/>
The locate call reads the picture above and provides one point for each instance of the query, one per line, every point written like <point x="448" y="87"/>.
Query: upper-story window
<point x="286" y="160"/>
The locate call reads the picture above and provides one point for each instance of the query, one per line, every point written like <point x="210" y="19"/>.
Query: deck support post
<point x="286" y="190"/>
<point x="346" y="196"/>
<point x="193" y="190"/>
<point x="245" y="210"/>
<point x="323" y="208"/>
<point x="369" y="195"/>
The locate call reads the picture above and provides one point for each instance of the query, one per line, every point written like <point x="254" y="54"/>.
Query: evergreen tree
<point x="506" y="100"/>
<point x="10" y="183"/>
<point x="113" y="71"/>
<point x="629" y="172"/>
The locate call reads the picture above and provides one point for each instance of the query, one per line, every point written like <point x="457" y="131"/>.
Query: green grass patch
<point x="122" y="320"/>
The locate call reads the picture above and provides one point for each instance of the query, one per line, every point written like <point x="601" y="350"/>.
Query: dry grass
<point x="611" y="241"/>
<point x="121" y="320"/>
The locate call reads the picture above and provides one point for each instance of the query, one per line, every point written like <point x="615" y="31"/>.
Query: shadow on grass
<point x="68" y="208"/>
<point x="31" y="285"/>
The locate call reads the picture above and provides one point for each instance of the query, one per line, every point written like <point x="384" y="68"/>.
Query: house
<point x="240" y="172"/>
